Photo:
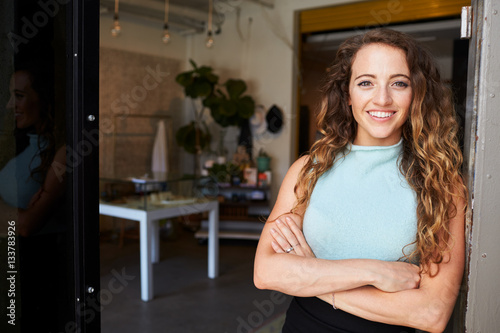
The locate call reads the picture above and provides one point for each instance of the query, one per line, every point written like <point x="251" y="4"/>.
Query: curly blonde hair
<point x="431" y="157"/>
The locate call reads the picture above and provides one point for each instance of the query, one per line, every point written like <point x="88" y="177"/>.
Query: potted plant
<point x="223" y="173"/>
<point x="232" y="108"/>
<point x="198" y="83"/>
<point x="263" y="161"/>
<point x="227" y="104"/>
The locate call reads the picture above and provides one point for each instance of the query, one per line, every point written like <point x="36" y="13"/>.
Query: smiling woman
<point x="380" y="94"/>
<point x="368" y="230"/>
<point x="24" y="100"/>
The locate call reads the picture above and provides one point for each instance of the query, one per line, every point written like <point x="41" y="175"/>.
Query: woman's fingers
<point x="303" y="246"/>
<point x="288" y="237"/>
<point x="397" y="276"/>
<point x="288" y="234"/>
<point x="279" y="239"/>
<point x="299" y="236"/>
<point x="276" y="247"/>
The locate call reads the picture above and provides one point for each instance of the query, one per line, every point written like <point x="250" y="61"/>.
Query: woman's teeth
<point x="379" y="114"/>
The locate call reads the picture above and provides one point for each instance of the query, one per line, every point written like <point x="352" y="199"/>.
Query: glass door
<point x="48" y="166"/>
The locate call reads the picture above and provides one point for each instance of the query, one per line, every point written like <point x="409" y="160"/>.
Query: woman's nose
<point x="382" y="96"/>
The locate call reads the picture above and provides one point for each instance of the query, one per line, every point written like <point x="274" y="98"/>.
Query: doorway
<point x="440" y="37"/>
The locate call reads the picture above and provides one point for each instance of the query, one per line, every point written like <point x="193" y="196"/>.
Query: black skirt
<point x="312" y="315"/>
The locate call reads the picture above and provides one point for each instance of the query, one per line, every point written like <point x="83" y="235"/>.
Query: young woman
<point x="368" y="230"/>
<point x="33" y="182"/>
<point x="32" y="188"/>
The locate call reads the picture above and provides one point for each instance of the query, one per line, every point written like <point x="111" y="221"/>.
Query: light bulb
<point x="115" y="31"/>
<point x="166" y="37"/>
<point x="166" y="34"/>
<point x="210" y="40"/>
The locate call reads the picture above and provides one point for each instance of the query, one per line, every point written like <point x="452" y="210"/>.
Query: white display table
<point x="148" y="217"/>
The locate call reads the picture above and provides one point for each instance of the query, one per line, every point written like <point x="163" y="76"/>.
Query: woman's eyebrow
<point x="403" y="75"/>
<point x="374" y="76"/>
<point x="369" y="75"/>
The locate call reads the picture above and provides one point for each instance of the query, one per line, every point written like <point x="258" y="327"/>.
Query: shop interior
<point x="161" y="145"/>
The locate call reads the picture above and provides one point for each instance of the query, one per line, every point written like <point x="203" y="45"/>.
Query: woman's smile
<point x="381" y="115"/>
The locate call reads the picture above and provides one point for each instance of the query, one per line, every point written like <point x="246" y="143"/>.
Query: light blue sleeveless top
<point x="17" y="186"/>
<point x="362" y="208"/>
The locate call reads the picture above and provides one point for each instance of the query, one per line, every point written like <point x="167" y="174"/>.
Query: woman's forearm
<point x="417" y="308"/>
<point x="300" y="276"/>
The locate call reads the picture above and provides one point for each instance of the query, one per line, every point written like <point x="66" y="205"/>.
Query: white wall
<point x="265" y="59"/>
<point x="141" y="35"/>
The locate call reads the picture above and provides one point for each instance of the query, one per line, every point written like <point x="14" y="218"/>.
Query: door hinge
<point x="466" y="24"/>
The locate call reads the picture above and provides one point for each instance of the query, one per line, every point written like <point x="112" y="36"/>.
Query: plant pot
<point x="263" y="163"/>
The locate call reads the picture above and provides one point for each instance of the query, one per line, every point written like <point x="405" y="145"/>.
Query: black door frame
<point x="83" y="157"/>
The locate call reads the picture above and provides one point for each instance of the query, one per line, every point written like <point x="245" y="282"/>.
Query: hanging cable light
<point x="210" y="39"/>
<point x="166" y="34"/>
<point x="115" y="31"/>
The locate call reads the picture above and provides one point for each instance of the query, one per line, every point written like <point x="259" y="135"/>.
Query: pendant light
<point x="210" y="39"/>
<point x="166" y="34"/>
<point x="115" y="31"/>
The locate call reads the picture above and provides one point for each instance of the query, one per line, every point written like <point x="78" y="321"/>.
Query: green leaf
<point x="184" y="79"/>
<point x="191" y="61"/>
<point x="186" y="137"/>
<point x="212" y="78"/>
<point x="191" y="91"/>
<point x="211" y="101"/>
<point x="246" y="107"/>
<point x="229" y="108"/>
<point x="202" y="87"/>
<point x="219" y="117"/>
<point x="181" y="135"/>
<point x="235" y="88"/>
<point x="204" y="71"/>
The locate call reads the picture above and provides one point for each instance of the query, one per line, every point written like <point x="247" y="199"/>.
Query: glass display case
<point x="148" y="194"/>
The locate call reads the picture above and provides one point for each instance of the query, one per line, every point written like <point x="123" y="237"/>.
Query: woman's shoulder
<point x="297" y="166"/>
<point x="302" y="160"/>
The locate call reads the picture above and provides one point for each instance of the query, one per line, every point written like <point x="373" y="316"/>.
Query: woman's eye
<point x="401" y="84"/>
<point x="364" y="84"/>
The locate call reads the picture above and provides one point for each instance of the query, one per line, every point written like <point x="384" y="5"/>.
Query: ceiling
<point x="185" y="16"/>
<point x="322" y="46"/>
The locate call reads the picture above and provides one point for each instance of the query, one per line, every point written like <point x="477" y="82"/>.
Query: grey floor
<point x="185" y="299"/>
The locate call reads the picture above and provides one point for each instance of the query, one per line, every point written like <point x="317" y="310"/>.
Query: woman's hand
<point x="288" y="238"/>
<point x="396" y="276"/>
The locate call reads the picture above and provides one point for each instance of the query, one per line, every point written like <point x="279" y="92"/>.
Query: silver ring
<point x="289" y="250"/>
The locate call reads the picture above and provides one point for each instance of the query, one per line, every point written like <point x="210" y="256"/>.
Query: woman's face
<point x="24" y="101"/>
<point x="380" y="94"/>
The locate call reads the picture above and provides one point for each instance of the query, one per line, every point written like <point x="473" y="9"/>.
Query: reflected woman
<point x="32" y="193"/>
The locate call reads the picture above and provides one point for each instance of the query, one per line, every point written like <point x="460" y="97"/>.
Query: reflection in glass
<point x="33" y="170"/>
